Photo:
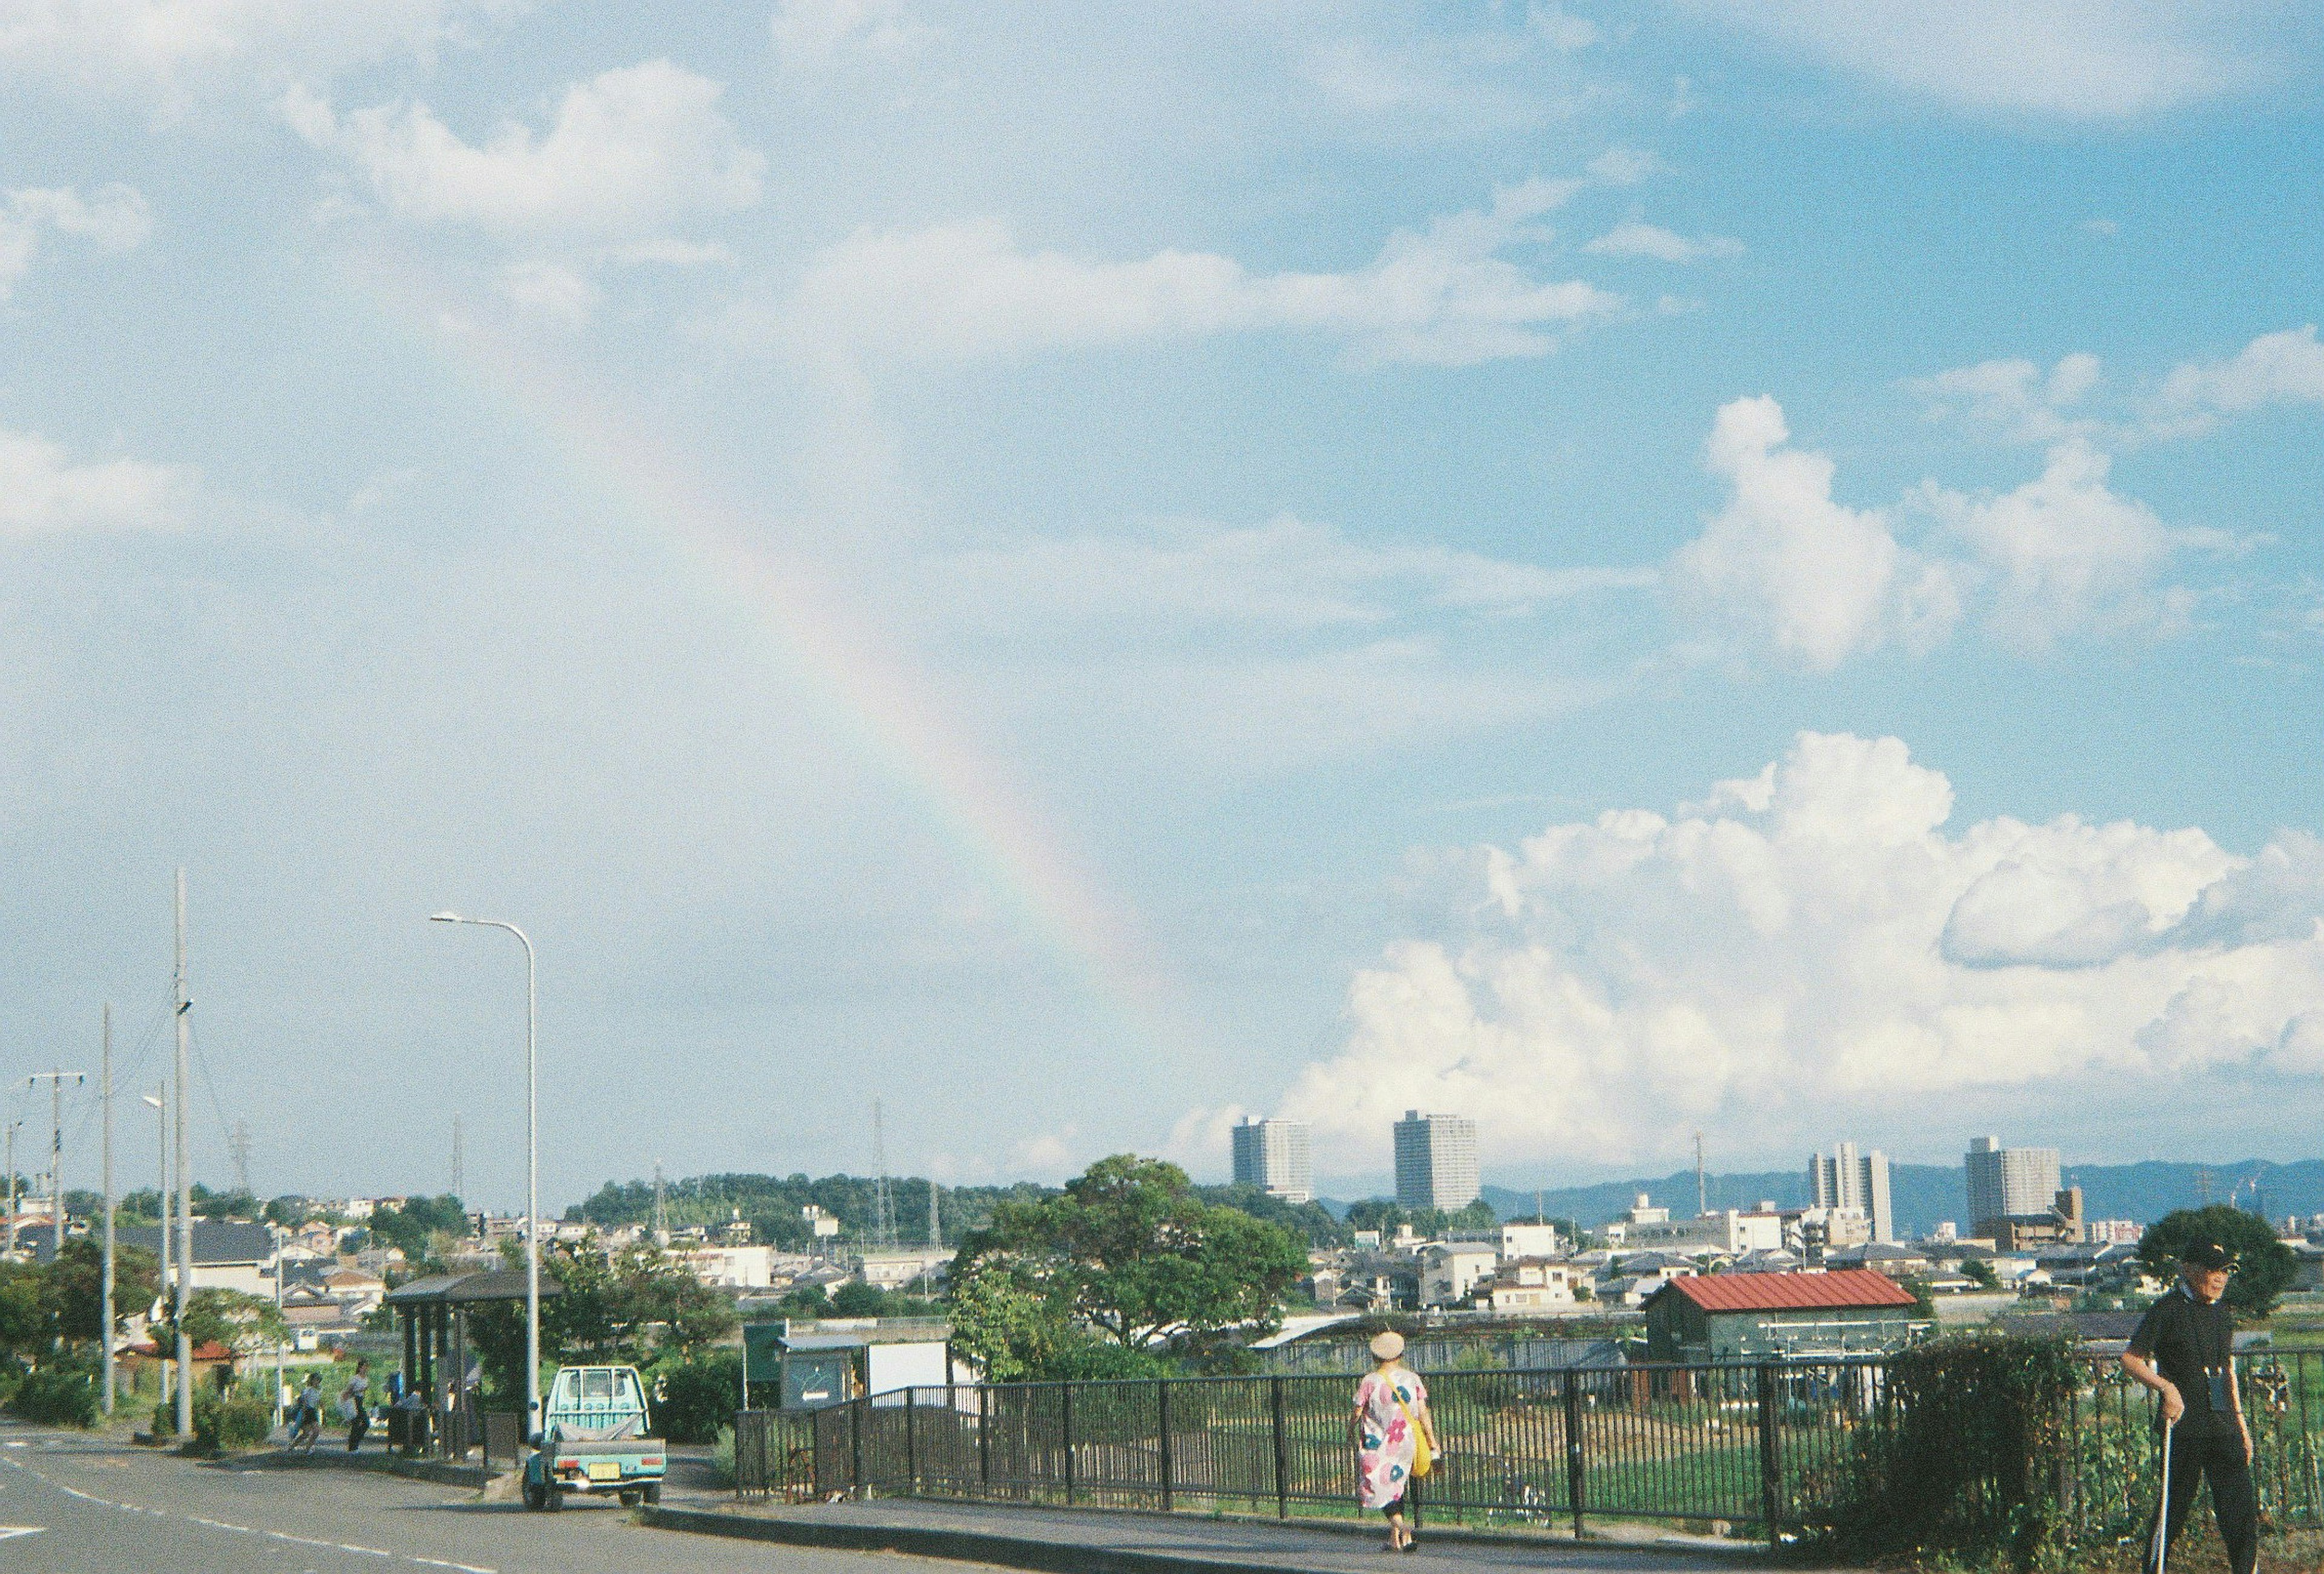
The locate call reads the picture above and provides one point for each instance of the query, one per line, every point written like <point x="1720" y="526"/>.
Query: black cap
<point x="2207" y="1254"/>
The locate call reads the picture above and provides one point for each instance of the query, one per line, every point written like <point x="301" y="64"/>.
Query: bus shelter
<point x="432" y="1315"/>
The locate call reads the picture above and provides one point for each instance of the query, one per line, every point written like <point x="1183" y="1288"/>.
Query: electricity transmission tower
<point x="883" y="1217"/>
<point x="661" y="1208"/>
<point x="238" y="1145"/>
<point x="459" y="1167"/>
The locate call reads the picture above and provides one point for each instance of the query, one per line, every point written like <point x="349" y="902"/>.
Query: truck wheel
<point x="628" y="1499"/>
<point x="653" y="1493"/>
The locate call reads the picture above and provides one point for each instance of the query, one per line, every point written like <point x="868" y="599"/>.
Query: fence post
<point x="1066" y="1404"/>
<point x="911" y="1447"/>
<point x="856" y="1445"/>
<point x="1282" y="1449"/>
<point x="1771" y="1464"/>
<point x="1162" y="1408"/>
<point x="1576" y="1467"/>
<point x="984" y="1440"/>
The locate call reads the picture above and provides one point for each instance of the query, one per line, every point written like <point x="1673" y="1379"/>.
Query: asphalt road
<point x="75" y="1505"/>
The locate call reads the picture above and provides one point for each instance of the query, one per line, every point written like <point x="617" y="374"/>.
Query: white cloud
<point x="2275" y="368"/>
<point x="632" y="152"/>
<point x="2079" y="60"/>
<point x="167" y="51"/>
<point x="551" y="291"/>
<point x="1445" y="295"/>
<point x="113" y="218"/>
<point x="2064" y="552"/>
<point x="43" y="492"/>
<point x="1785" y="565"/>
<point x="1560" y="28"/>
<point x="813" y="34"/>
<point x="1624" y="166"/>
<point x="1814" y="940"/>
<point x="1286" y="574"/>
<point x="1635" y="239"/>
<point x="2016" y="398"/>
<point x="1789" y="566"/>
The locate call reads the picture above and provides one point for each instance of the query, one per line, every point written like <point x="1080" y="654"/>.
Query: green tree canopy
<point x="1131" y="1251"/>
<point x="242" y="1323"/>
<point x="2265" y="1266"/>
<point x="73" y="1289"/>
<point x="626" y="1310"/>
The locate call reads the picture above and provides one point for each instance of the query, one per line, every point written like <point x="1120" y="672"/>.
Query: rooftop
<point x="1849" y="1288"/>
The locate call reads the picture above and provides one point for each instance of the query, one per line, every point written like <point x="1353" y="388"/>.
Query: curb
<point x="1046" y="1557"/>
<point x="955" y="1546"/>
<point x="439" y="1471"/>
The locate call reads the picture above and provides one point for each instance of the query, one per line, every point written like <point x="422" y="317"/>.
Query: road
<point x="71" y="1504"/>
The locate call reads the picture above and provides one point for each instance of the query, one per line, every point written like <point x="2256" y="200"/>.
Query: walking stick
<point x="2162" y="1504"/>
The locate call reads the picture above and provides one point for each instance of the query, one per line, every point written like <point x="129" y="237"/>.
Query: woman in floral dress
<point x="1391" y="1415"/>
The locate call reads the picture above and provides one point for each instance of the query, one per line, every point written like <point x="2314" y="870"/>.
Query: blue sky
<point x="1083" y="571"/>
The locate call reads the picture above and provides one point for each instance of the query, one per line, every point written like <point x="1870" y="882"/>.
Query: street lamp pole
<point x="532" y="1166"/>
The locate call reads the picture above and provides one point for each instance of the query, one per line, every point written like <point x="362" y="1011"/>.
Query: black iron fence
<point x="1760" y="1450"/>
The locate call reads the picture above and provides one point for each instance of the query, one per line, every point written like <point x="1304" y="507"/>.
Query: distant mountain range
<point x="1923" y="1194"/>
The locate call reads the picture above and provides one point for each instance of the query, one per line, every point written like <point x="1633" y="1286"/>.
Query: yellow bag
<point x="1422" y="1456"/>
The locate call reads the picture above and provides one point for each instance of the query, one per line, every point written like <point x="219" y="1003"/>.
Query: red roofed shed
<point x="1732" y="1317"/>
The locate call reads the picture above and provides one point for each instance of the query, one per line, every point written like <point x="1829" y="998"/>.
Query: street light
<point x="531" y="1168"/>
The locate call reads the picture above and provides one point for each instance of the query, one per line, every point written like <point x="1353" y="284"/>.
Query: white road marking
<point x="10" y="1533"/>
<point x="464" y="1568"/>
<point x="371" y="1551"/>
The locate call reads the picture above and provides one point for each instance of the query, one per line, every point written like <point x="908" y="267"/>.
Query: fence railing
<point x="1763" y="1450"/>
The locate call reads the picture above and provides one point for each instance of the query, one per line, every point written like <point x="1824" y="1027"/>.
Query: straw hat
<point x="1388" y="1345"/>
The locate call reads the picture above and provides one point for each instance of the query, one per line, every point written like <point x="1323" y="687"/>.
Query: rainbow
<point x="870" y="697"/>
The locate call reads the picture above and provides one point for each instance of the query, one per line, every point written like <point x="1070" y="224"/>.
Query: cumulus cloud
<point x="1813" y="936"/>
<point x="2064" y="552"/>
<point x="2077" y="60"/>
<point x="166" y="52"/>
<point x="112" y="218"/>
<point x="43" y="491"/>
<point x="1785" y="564"/>
<point x="1445" y="295"/>
<point x="1635" y="239"/>
<point x="632" y="154"/>
<point x="2275" y="368"/>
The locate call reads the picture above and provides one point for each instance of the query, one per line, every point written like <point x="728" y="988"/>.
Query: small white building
<point x="1451" y="1272"/>
<point x="1532" y="1284"/>
<point x="1519" y="1241"/>
<point x="728" y="1267"/>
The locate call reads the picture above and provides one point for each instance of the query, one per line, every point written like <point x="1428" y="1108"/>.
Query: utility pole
<point x="12" y="1182"/>
<point x="55" y="1081"/>
<point x="883" y="1222"/>
<point x="160" y="1099"/>
<point x="936" y="1228"/>
<point x="104" y="1094"/>
<point x="184" y="1004"/>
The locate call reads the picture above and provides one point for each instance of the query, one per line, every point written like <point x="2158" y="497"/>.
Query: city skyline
<point x="1623" y="568"/>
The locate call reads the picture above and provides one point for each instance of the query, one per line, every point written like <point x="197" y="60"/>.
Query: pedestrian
<point x="2184" y="1350"/>
<point x="353" y="1408"/>
<point x="1394" y="1437"/>
<point x="306" y="1415"/>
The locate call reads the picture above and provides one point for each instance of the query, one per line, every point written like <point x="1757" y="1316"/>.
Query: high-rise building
<point x="1436" y="1162"/>
<point x="1273" y="1155"/>
<point x="2009" y="1182"/>
<point x="1849" y="1180"/>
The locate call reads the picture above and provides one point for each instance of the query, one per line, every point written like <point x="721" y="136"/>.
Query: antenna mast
<point x="1701" y="1181"/>
<point x="239" y="1146"/>
<point x="661" y="1208"/>
<point x="459" y="1168"/>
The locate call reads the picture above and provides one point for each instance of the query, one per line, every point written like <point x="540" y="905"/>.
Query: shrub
<point x="231" y="1420"/>
<point x="1966" y="1466"/>
<point x="56" y="1398"/>
<point x="165" y="1419"/>
<point x="698" y="1397"/>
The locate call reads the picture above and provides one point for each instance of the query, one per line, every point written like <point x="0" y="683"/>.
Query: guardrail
<point x="1762" y="1448"/>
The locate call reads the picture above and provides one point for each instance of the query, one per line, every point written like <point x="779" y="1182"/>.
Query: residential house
<point x="1451" y="1271"/>
<point x="1532" y="1284"/>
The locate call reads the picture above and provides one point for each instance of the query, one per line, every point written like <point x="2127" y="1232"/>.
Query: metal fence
<point x="1764" y="1449"/>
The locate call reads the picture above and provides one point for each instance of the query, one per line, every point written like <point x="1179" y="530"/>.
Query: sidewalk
<point x="1095" y="1542"/>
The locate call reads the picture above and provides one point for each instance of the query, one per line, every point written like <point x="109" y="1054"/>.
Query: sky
<point x="1086" y="571"/>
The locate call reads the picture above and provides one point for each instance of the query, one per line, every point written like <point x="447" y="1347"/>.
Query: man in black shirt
<point x="2184" y="1350"/>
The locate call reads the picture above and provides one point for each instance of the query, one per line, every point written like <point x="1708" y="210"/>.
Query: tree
<point x="2265" y="1266"/>
<point x="624" y="1309"/>
<point x="242" y="1323"/>
<point x="289" y="1212"/>
<point x="412" y="1229"/>
<point x="1979" y="1273"/>
<point x="1003" y="1323"/>
<point x="73" y="1292"/>
<point x="1131" y="1251"/>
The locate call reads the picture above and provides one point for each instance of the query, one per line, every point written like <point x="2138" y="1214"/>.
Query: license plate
<point x="604" y="1470"/>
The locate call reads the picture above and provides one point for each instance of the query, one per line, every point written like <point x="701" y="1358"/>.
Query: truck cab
<point x="596" y="1436"/>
